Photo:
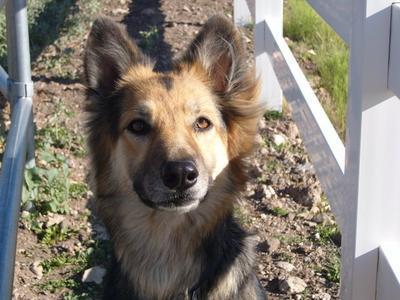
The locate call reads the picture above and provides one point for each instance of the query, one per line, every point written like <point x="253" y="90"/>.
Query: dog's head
<point x="166" y="137"/>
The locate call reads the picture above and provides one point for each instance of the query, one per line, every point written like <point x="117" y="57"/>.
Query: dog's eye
<point x="202" y="124"/>
<point x="139" y="127"/>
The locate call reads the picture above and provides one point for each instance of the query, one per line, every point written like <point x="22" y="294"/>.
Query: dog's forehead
<point x="150" y="92"/>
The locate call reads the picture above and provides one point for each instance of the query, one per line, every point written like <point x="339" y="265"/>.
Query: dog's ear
<point x="218" y="51"/>
<point x="109" y="54"/>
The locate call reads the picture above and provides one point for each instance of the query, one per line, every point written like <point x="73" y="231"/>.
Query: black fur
<point x="220" y="252"/>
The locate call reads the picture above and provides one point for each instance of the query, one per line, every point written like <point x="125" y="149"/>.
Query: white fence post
<point x="372" y="153"/>
<point x="370" y="187"/>
<point x="272" y="10"/>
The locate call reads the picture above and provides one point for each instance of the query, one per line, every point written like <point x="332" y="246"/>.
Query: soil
<point x="283" y="204"/>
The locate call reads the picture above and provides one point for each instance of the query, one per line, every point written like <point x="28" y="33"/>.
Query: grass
<point x="149" y="38"/>
<point x="329" y="234"/>
<point x="309" y="32"/>
<point x="331" y="270"/>
<point x="280" y="212"/>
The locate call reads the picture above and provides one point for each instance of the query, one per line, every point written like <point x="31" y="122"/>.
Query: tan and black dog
<point x="168" y="152"/>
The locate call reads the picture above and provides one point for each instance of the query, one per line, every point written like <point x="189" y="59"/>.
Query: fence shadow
<point x="48" y="24"/>
<point x="145" y="23"/>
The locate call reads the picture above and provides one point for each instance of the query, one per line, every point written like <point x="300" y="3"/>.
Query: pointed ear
<point x="219" y="52"/>
<point x="218" y="49"/>
<point x="109" y="54"/>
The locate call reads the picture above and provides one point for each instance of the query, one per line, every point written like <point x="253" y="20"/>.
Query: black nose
<point x="179" y="175"/>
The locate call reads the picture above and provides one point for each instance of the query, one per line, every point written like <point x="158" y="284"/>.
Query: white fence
<point x="362" y="178"/>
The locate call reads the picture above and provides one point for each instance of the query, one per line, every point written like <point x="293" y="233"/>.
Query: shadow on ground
<point x="145" y="23"/>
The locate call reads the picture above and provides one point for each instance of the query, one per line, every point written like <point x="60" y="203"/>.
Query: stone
<point x="284" y="265"/>
<point x="37" y="269"/>
<point x="279" y="139"/>
<point x="94" y="274"/>
<point x="54" y="219"/>
<point x="269" y="246"/>
<point x="292" y="285"/>
<point x="292" y="131"/>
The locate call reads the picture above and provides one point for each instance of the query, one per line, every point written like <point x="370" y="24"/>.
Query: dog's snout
<point x="179" y="175"/>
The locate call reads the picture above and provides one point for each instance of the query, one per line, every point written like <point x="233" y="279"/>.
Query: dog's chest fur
<point x="165" y="259"/>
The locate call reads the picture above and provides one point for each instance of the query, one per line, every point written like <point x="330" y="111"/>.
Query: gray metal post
<point x="20" y="90"/>
<point x="11" y="180"/>
<point x="18" y="58"/>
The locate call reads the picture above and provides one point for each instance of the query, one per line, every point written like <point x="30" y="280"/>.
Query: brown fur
<point x="157" y="249"/>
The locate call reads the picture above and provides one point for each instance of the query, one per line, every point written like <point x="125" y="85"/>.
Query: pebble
<point x="269" y="246"/>
<point x="279" y="139"/>
<point x="37" y="269"/>
<point x="284" y="265"/>
<point x="54" y="220"/>
<point x="292" y="285"/>
<point x="95" y="274"/>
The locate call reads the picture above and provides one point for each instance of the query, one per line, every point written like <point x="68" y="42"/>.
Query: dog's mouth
<point x="180" y="202"/>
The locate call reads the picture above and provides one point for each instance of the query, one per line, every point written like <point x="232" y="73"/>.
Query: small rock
<point x="185" y="8"/>
<point x="28" y="206"/>
<point x="279" y="139"/>
<point x="25" y="214"/>
<point x="37" y="269"/>
<point x="268" y="191"/>
<point x="95" y="274"/>
<point x="311" y="52"/>
<point x="269" y="246"/>
<point x="284" y="265"/>
<point x="54" y="220"/>
<point x="318" y="218"/>
<point x="325" y="296"/>
<point x="264" y="151"/>
<point x="262" y="123"/>
<point x="263" y="191"/>
<point x="292" y="131"/>
<point x="292" y="285"/>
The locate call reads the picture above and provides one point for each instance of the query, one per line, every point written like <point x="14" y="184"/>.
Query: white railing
<point x="362" y="179"/>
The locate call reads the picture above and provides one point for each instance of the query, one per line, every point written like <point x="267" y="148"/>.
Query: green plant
<point x="280" y="212"/>
<point x="273" y="115"/>
<point x="331" y="270"/>
<point x="329" y="233"/>
<point x="303" y="26"/>
<point x="149" y="38"/>
<point x="55" y="233"/>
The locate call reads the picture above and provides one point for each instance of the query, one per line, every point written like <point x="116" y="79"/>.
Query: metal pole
<point x="21" y="132"/>
<point x="3" y="82"/>
<point x="11" y="180"/>
<point x="19" y="62"/>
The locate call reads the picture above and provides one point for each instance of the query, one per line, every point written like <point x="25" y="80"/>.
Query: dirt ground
<point x="299" y="244"/>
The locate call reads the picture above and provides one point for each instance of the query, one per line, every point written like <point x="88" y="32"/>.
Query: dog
<point x="168" y="154"/>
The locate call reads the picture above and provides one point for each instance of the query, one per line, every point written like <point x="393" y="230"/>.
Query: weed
<point x="304" y="26"/>
<point x="331" y="271"/>
<point x="329" y="233"/>
<point x="273" y="115"/>
<point x="52" y="285"/>
<point x="280" y="212"/>
<point x="55" y="233"/>
<point x="77" y="190"/>
<point x="149" y="38"/>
